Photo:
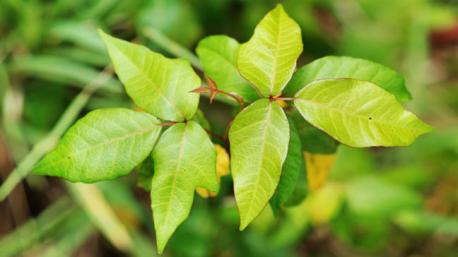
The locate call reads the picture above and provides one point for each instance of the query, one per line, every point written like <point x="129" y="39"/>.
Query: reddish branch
<point x="279" y="98"/>
<point x="213" y="91"/>
<point x="167" y="124"/>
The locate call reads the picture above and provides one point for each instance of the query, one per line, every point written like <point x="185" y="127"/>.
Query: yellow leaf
<point x="282" y="103"/>
<point x="204" y="193"/>
<point x="324" y="203"/>
<point x="222" y="161"/>
<point x="222" y="169"/>
<point x="318" y="167"/>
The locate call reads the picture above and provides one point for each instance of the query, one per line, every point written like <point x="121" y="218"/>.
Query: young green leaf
<point x="293" y="166"/>
<point x="334" y="67"/>
<point x="184" y="159"/>
<point x="259" y="139"/>
<point x="268" y="59"/>
<point x="218" y="55"/>
<point x="157" y="84"/>
<point x="105" y="144"/>
<point x="358" y="113"/>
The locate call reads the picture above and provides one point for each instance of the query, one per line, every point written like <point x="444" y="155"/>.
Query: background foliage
<point x="377" y="202"/>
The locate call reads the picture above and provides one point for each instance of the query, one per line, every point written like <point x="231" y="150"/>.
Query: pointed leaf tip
<point x="100" y="146"/>
<point x="151" y="79"/>
<point x="269" y="58"/>
<point x="358" y="113"/>
<point x="184" y="159"/>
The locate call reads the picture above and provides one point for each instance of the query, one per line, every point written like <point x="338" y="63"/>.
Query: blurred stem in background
<point x="171" y="46"/>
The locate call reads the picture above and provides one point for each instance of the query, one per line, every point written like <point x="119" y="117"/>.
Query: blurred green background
<point x="377" y="202"/>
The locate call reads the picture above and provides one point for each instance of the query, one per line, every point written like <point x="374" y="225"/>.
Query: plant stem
<point x="167" y="124"/>
<point x="223" y="139"/>
<point x="50" y="141"/>
<point x="94" y="203"/>
<point x="36" y="230"/>
<point x="171" y="46"/>
<point x="282" y="98"/>
<point x="235" y="97"/>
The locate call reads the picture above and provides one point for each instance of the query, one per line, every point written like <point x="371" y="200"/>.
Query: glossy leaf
<point x="105" y="144"/>
<point x="157" y="84"/>
<point x="218" y="55"/>
<point x="184" y="159"/>
<point x="333" y="67"/>
<point x="293" y="166"/>
<point x="358" y="113"/>
<point x="259" y="139"/>
<point x="268" y="59"/>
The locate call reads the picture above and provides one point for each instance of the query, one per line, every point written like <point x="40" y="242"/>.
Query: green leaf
<point x="293" y="166"/>
<point x="184" y="159"/>
<point x="358" y="113"/>
<point x="105" y="144"/>
<point x="157" y="84"/>
<point x="333" y="67"/>
<point x="313" y="139"/>
<point x="300" y="190"/>
<point x="259" y="139"/>
<point x="200" y="118"/>
<point x="268" y="59"/>
<point x="175" y="18"/>
<point x="145" y="173"/>
<point x="218" y="55"/>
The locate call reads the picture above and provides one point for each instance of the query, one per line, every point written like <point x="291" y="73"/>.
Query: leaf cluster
<point x="333" y="99"/>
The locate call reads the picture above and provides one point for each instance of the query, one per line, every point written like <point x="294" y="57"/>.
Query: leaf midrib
<point x="258" y="172"/>
<point x="108" y="142"/>
<point x="175" y="175"/>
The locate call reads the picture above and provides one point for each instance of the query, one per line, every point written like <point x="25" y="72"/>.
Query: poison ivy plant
<point x="332" y="100"/>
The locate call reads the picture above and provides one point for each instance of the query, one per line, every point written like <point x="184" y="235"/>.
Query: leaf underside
<point x="334" y="67"/>
<point x="259" y="139"/>
<point x="358" y="113"/>
<point x="268" y="59"/>
<point x="159" y="85"/>
<point x="105" y="144"/>
<point x="184" y="159"/>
